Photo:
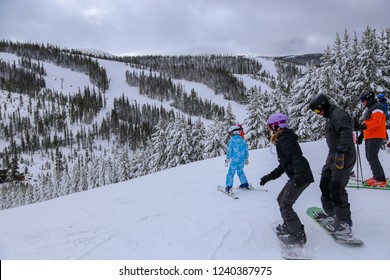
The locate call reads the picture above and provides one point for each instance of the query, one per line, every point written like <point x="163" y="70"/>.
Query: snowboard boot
<point x="244" y="186"/>
<point x="228" y="189"/>
<point x="340" y="228"/>
<point x="343" y="215"/>
<point x="323" y="218"/>
<point x="342" y="225"/>
<point x="296" y="239"/>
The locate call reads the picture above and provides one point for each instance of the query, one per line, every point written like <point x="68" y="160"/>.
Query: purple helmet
<point x="276" y="121"/>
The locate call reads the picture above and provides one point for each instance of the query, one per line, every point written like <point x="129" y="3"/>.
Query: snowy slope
<point x="179" y="214"/>
<point x="69" y="82"/>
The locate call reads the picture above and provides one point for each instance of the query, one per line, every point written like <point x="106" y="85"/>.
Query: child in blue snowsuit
<point x="237" y="155"/>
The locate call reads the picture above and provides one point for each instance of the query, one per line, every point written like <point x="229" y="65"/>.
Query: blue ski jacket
<point x="237" y="150"/>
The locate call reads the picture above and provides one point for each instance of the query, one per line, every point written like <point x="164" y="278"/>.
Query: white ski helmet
<point x="234" y="129"/>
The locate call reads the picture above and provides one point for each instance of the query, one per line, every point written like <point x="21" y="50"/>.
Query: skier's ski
<point x="360" y="185"/>
<point x="251" y="188"/>
<point x="291" y="252"/>
<point x="355" y="183"/>
<point x="361" y="180"/>
<point x="347" y="239"/>
<point x="222" y="189"/>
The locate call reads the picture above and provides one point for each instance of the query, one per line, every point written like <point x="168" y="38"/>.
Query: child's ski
<point x="222" y="189"/>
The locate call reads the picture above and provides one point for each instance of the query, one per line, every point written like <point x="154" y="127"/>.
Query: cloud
<point x="265" y="27"/>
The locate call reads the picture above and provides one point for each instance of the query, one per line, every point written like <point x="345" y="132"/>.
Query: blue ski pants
<point x="233" y="168"/>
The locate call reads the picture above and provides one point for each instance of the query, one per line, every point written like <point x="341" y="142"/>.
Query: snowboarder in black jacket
<point x="297" y="168"/>
<point x="339" y="163"/>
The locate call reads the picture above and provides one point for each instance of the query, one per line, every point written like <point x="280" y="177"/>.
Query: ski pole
<point x="359" y="169"/>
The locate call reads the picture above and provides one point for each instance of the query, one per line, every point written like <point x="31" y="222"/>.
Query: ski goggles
<point x="362" y="99"/>
<point x="317" y="111"/>
<point x="275" y="126"/>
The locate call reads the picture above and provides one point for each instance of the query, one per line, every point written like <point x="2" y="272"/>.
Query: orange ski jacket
<point x="375" y="120"/>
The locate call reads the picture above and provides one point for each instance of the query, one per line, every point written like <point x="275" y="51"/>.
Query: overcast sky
<point x="255" y="27"/>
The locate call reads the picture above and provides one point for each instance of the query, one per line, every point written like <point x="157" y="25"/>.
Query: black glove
<point x="299" y="180"/>
<point x="360" y="138"/>
<point x="360" y="126"/>
<point x="265" y="179"/>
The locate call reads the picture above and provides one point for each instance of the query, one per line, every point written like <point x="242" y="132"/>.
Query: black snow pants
<point x="372" y="151"/>
<point x="334" y="197"/>
<point x="286" y="199"/>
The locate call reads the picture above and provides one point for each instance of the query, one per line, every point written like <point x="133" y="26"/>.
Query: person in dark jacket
<point x="339" y="163"/>
<point x="383" y="100"/>
<point x="297" y="168"/>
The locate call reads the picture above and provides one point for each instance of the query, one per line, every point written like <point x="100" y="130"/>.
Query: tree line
<point x="349" y="67"/>
<point x="72" y="59"/>
<point x="215" y="71"/>
<point x="162" y="88"/>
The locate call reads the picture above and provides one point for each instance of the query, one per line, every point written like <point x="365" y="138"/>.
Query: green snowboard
<point x="347" y="239"/>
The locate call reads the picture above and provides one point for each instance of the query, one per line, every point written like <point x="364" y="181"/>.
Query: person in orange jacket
<point x="374" y="134"/>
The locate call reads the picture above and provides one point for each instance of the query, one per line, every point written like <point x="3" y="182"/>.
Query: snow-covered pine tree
<point x="112" y="175"/>
<point x="228" y="121"/>
<point x="368" y="60"/>
<point x="103" y="178"/>
<point x="384" y="59"/>
<point x="93" y="172"/>
<point x="65" y="184"/>
<point x="186" y="148"/>
<point x="275" y="103"/>
<point x="75" y="185"/>
<point x="123" y="166"/>
<point x="157" y="146"/>
<point x="198" y="134"/>
<point x="215" y="144"/>
<point x="139" y="162"/>
<point x="328" y="83"/>
<point x="255" y="121"/>
<point x="354" y="85"/>
<point x="302" y="120"/>
<point x="84" y="168"/>
<point x="344" y="61"/>
<point x="46" y="182"/>
<point x="179" y="145"/>
<point x="28" y="193"/>
<point x="58" y="173"/>
<point x="336" y="62"/>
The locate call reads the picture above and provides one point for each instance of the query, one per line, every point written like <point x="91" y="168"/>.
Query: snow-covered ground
<point x="178" y="214"/>
<point x="177" y="219"/>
